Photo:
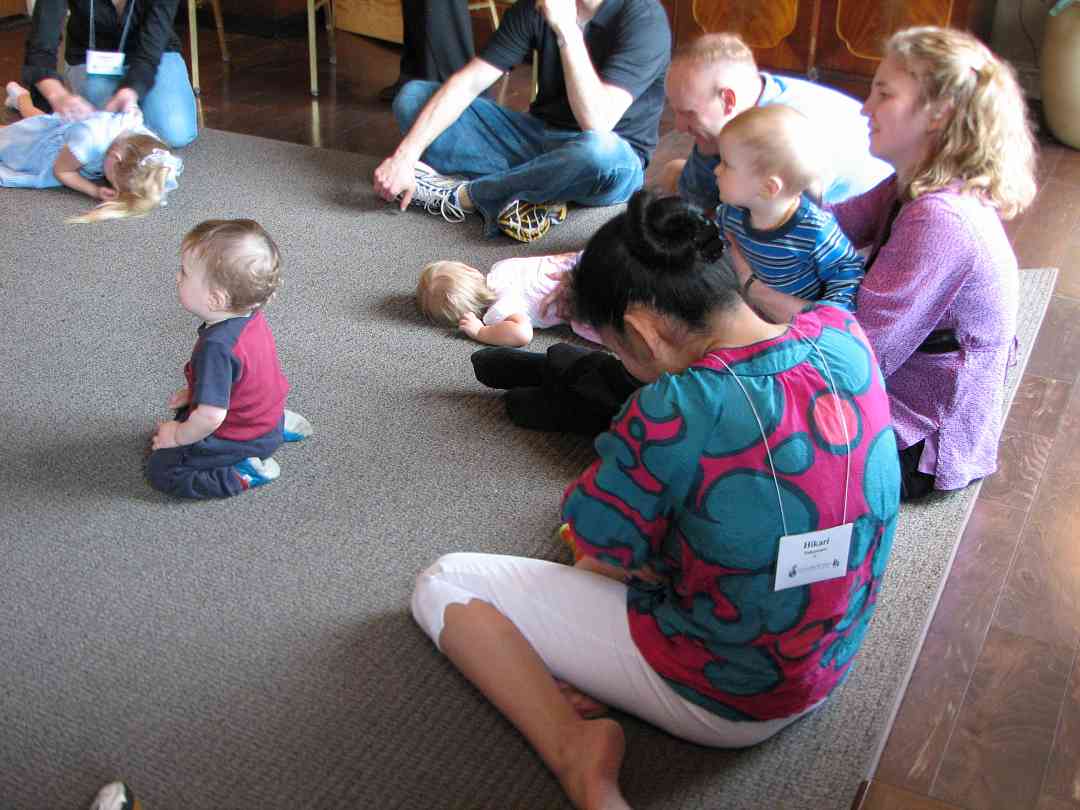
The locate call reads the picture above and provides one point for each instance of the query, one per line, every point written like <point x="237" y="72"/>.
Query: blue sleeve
<point x="697" y="184"/>
<point x="515" y="37"/>
<point x="840" y="269"/>
<point x="80" y="141"/>
<point x="215" y="369"/>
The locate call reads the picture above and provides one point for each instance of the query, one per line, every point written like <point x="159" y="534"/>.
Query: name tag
<point x="105" y="63"/>
<point x="813" y="557"/>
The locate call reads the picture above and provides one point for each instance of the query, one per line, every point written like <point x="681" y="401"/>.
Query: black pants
<point x="575" y="390"/>
<point x="438" y="38"/>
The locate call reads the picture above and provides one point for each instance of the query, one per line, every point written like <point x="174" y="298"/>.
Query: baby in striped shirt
<point x="766" y="177"/>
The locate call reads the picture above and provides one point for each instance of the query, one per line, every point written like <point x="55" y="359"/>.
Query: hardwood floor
<point x="991" y="718"/>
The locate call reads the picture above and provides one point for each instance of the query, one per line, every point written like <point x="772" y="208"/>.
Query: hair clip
<point x="175" y="166"/>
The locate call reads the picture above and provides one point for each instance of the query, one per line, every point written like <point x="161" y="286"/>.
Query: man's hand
<point x="561" y="15"/>
<point x="180" y="398"/>
<point x="396" y="176"/>
<point x="470" y="325"/>
<point x="124" y="100"/>
<point x="165" y="435"/>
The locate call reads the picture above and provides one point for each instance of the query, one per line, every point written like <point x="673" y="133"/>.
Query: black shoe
<point x="508" y="368"/>
<point x="388" y="93"/>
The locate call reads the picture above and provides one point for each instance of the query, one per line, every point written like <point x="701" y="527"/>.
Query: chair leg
<point x="331" y="26"/>
<point x="494" y="14"/>
<point x="311" y="47"/>
<point x="193" y="27"/>
<point x="216" y="4"/>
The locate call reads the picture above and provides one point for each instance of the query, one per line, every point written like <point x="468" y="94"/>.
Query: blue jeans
<point x="509" y="155"/>
<point x="169" y="107"/>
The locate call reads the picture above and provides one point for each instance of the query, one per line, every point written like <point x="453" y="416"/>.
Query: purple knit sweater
<point x="947" y="264"/>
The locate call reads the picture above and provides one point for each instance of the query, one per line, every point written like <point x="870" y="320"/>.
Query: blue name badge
<point x="105" y="63"/>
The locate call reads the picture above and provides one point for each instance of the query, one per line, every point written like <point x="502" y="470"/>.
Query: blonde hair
<point x="712" y="49"/>
<point x="239" y="258"/>
<point x="447" y="290"/>
<point x="781" y="142"/>
<point x="987" y="143"/>
<point x="140" y="184"/>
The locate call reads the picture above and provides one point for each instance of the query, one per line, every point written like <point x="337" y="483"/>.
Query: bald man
<point x="714" y="78"/>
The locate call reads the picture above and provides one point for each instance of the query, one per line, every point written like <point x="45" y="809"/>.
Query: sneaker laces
<point x="437" y="195"/>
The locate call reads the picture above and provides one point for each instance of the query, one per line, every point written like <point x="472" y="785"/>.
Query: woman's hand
<point x="124" y="100"/>
<point x="106" y="193"/>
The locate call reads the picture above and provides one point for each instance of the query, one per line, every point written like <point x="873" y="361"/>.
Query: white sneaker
<point x="115" y="796"/>
<point x="297" y="428"/>
<point x="437" y="194"/>
<point x="254" y="472"/>
<point x="14" y="90"/>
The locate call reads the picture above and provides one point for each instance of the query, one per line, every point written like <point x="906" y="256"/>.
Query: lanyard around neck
<point x="765" y="439"/>
<point x="123" y="33"/>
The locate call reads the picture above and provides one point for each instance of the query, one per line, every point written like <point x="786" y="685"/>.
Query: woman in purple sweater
<point x="939" y="299"/>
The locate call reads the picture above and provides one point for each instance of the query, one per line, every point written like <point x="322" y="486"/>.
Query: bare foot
<point x="591" y="779"/>
<point x="587" y="707"/>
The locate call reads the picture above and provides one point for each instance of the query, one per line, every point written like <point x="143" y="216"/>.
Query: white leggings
<point x="576" y="621"/>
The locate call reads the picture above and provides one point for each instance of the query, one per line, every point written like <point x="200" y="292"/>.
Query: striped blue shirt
<point x="808" y="256"/>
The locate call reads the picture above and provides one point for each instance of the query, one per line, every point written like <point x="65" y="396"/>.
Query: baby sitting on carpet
<point x="44" y="151"/>
<point x="513" y="298"/>
<point x="231" y="414"/>
<point x="768" y="163"/>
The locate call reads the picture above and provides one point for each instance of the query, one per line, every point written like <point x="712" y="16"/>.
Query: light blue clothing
<point x="850" y="168"/>
<point x="29" y="147"/>
<point x="515" y="156"/>
<point x="168" y="108"/>
<point x="808" y="256"/>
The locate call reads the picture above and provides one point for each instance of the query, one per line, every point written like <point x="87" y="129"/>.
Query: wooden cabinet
<point x="833" y="36"/>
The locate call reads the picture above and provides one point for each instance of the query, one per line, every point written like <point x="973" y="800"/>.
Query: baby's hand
<point x="165" y="435"/>
<point x="106" y="193"/>
<point x="180" y="398"/>
<point x="470" y="325"/>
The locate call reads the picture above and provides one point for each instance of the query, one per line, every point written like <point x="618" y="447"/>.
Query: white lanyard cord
<point x="839" y="415"/>
<point x="764" y="438"/>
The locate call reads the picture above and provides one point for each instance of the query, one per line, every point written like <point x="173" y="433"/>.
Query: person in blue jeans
<point x="587" y="137"/>
<point x="715" y="77"/>
<point x="153" y="75"/>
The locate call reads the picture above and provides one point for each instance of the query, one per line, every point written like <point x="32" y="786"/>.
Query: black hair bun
<point x="668" y="233"/>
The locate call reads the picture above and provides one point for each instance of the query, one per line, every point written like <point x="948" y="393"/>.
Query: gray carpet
<point x="258" y="653"/>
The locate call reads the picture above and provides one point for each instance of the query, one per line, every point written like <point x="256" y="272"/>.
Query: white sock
<point x="14" y="90"/>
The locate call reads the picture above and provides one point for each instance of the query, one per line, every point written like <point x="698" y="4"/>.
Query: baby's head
<point x="141" y="170"/>
<point x="232" y="264"/>
<point x="447" y="290"/>
<point x="765" y="152"/>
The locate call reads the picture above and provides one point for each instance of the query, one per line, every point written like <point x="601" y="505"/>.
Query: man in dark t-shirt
<point x="587" y="137"/>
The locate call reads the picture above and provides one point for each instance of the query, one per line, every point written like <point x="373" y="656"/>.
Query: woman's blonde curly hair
<point x="139" y="185"/>
<point x="987" y="143"/>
